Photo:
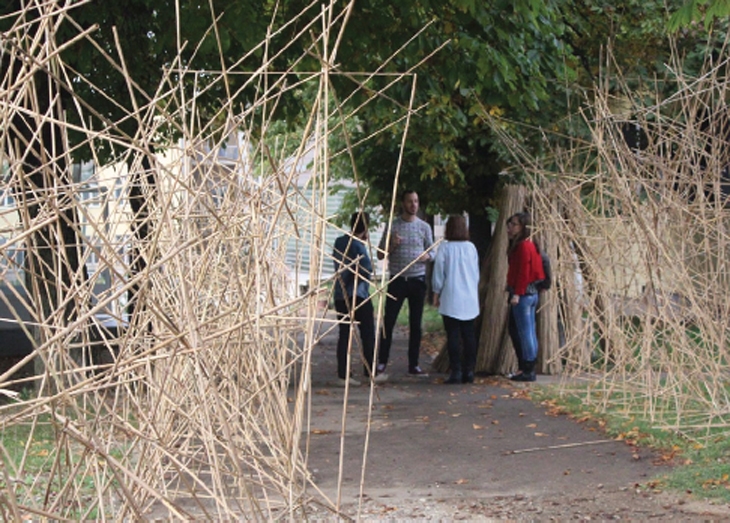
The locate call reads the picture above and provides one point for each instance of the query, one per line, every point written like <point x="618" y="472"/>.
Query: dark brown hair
<point x="525" y="220"/>
<point x="456" y="229"/>
<point x="406" y="193"/>
<point x="359" y="221"/>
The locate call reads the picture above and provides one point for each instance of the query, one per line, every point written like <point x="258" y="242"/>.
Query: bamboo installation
<point x="173" y="379"/>
<point x="640" y="229"/>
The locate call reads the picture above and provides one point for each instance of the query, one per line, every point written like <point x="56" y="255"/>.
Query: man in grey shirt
<point x="410" y="239"/>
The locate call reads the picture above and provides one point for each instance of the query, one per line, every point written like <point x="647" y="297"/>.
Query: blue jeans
<point x="524" y="316"/>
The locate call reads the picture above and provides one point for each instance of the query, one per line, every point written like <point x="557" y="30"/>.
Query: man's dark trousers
<point x="414" y="290"/>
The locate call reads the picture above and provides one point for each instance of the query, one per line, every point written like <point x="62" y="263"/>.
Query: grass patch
<point x="432" y="321"/>
<point x="42" y="462"/>
<point x="681" y="343"/>
<point x="700" y="461"/>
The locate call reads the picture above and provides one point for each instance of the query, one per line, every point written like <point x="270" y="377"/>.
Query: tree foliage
<point x="705" y="11"/>
<point x="506" y="57"/>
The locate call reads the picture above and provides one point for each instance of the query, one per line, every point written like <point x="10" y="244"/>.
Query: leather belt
<point x="421" y="277"/>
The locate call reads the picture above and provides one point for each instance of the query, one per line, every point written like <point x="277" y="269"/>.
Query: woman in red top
<point x="525" y="268"/>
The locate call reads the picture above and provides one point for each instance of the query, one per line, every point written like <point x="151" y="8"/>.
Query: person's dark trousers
<point x="363" y="314"/>
<point x="400" y="289"/>
<point x="460" y="332"/>
<point x="514" y="335"/>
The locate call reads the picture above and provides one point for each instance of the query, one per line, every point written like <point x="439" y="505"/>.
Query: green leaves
<point x="706" y="11"/>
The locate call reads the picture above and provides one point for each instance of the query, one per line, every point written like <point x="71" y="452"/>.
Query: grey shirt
<point x="416" y="237"/>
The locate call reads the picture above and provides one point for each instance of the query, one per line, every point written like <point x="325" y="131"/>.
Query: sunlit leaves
<point x="706" y="11"/>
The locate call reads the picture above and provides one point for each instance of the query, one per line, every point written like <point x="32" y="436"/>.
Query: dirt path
<point x="475" y="452"/>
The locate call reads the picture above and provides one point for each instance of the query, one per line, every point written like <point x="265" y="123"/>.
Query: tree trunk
<point x="495" y="354"/>
<point x="43" y="190"/>
<point x="142" y="193"/>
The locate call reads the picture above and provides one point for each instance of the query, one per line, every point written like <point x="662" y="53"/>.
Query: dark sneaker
<point x="417" y="371"/>
<point x="525" y="376"/>
<point x="380" y="368"/>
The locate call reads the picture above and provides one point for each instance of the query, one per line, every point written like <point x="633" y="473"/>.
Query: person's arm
<point x="427" y="243"/>
<point x="438" y="276"/>
<point x="522" y="269"/>
<point x="364" y="266"/>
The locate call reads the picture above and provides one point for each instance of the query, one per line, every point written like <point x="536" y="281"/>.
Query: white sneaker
<point x="380" y="378"/>
<point x="342" y="382"/>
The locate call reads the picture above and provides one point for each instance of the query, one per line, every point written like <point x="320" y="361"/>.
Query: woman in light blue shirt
<point x="455" y="284"/>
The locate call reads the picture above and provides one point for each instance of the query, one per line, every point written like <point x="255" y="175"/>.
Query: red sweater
<point x="525" y="267"/>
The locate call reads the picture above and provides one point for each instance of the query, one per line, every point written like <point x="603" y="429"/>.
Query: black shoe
<point x="517" y="376"/>
<point x="525" y="376"/>
<point x="453" y="379"/>
<point x="468" y="377"/>
<point x="417" y="371"/>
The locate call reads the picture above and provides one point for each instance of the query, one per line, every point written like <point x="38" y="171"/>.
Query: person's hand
<point x="436" y="300"/>
<point x="514" y="300"/>
<point x="395" y="240"/>
<point x="424" y="258"/>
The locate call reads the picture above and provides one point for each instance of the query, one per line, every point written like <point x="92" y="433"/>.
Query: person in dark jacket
<point x="353" y="271"/>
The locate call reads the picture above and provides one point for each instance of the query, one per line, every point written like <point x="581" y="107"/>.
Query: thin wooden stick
<point x="564" y="446"/>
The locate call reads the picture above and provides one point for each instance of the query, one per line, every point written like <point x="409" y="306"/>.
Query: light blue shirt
<point x="456" y="280"/>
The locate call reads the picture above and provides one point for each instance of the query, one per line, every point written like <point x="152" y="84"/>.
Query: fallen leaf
<point x="321" y="431"/>
<point x="540" y="434"/>
<point x="456" y="415"/>
<point x="532" y="425"/>
<point x="495" y="422"/>
<point x="461" y="481"/>
<point x="477" y="427"/>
